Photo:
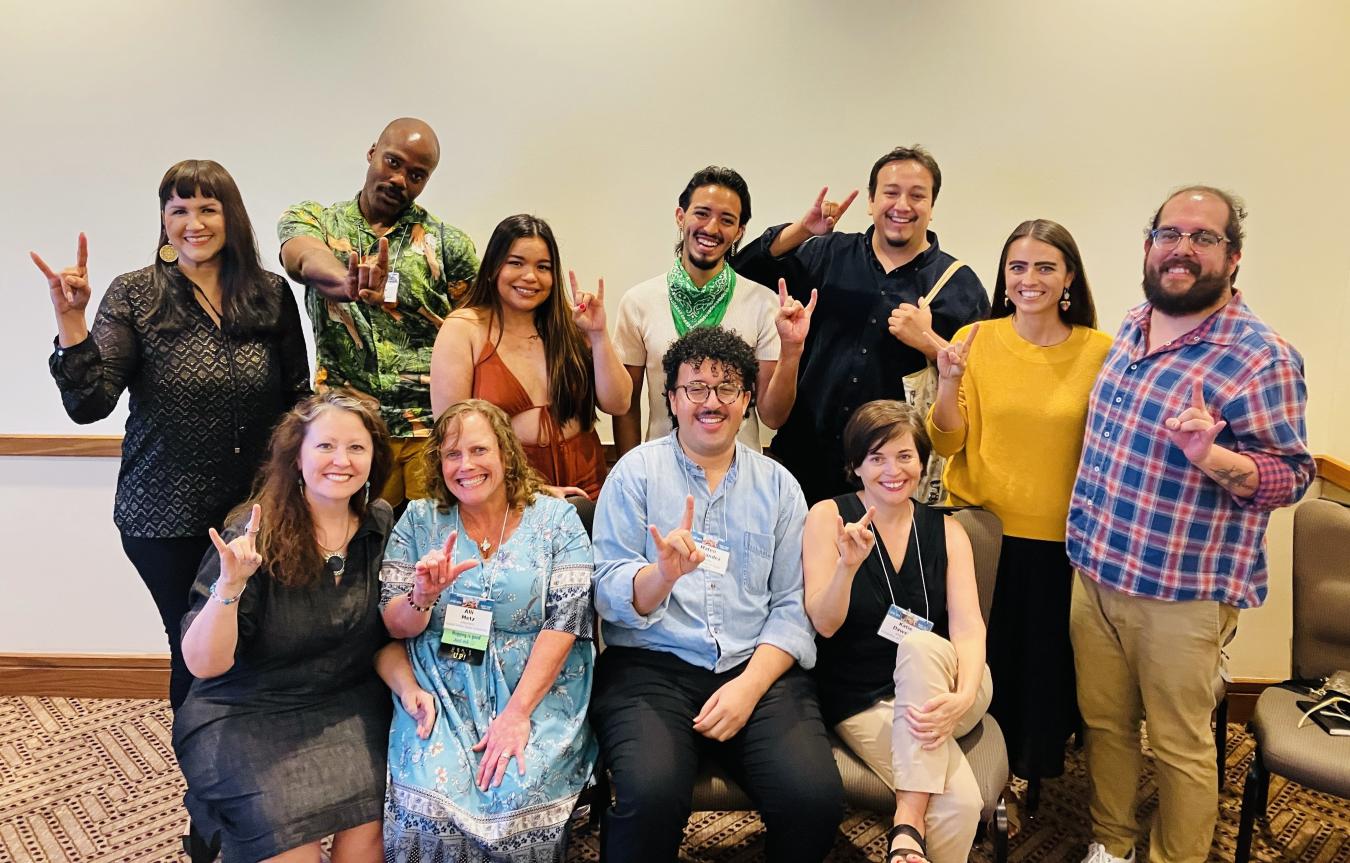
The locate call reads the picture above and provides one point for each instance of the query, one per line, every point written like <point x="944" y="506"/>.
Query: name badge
<point x="716" y="555"/>
<point x="468" y="625"/>
<point x="391" y="289"/>
<point x="900" y="622"/>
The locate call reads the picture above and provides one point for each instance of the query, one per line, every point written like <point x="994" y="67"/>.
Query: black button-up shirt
<point x="850" y="357"/>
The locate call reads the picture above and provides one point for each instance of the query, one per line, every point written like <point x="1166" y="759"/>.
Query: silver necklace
<point x="485" y="544"/>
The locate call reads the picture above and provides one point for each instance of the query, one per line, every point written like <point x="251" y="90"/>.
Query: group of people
<point x="381" y="598"/>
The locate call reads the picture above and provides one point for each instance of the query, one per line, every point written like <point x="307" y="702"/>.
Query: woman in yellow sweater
<point x="1009" y="416"/>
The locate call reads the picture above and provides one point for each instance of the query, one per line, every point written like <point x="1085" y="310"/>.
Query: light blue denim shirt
<point x="709" y="620"/>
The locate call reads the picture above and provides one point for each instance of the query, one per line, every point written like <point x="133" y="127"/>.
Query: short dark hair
<point x="1082" y="311"/>
<point x="1237" y="212"/>
<point x="716" y="175"/>
<point x="877" y="422"/>
<point x="915" y="153"/>
<point x="723" y="347"/>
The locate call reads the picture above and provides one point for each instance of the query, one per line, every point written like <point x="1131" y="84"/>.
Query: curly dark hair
<point x="724" y="348"/>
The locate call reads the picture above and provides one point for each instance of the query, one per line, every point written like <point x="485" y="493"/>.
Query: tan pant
<point x="925" y="665"/>
<point x="407" y="480"/>
<point x="1134" y="657"/>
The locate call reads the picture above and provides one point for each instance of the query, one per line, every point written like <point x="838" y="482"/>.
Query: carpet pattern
<point x="95" y="781"/>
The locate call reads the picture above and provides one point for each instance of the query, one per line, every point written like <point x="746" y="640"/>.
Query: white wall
<point x="594" y="114"/>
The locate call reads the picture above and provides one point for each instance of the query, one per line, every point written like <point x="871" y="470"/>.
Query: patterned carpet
<point x="95" y="781"/>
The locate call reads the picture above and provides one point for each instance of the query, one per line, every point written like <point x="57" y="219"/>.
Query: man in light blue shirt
<point x="698" y="581"/>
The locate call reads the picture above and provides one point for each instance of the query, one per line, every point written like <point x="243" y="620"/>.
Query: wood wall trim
<point x="1333" y="470"/>
<point x="84" y="675"/>
<point x="61" y="445"/>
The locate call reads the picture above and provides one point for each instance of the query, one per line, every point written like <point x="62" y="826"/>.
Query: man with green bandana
<point x="380" y="275"/>
<point x="702" y="290"/>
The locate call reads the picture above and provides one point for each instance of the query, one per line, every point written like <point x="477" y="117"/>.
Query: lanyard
<point x="886" y="576"/>
<point x="689" y="492"/>
<point x="397" y="251"/>
<point x="490" y="573"/>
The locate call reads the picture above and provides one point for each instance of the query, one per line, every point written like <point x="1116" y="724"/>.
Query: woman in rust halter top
<point x="547" y="361"/>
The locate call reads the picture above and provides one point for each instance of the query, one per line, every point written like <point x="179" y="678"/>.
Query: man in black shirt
<point x="869" y="330"/>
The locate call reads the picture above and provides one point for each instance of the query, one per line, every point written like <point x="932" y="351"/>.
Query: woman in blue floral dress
<point x="489" y="582"/>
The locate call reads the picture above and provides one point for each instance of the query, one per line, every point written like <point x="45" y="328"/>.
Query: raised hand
<point x="70" y="287"/>
<point x="421" y="706"/>
<point x="505" y="739"/>
<point x="1194" y="430"/>
<point x="854" y="540"/>
<point x="366" y="277"/>
<point x="951" y="356"/>
<point x="909" y="322"/>
<point x="794" y="319"/>
<point x="676" y="553"/>
<point x="588" y="310"/>
<point x="821" y="218"/>
<point x="437" y="570"/>
<point x="239" y="558"/>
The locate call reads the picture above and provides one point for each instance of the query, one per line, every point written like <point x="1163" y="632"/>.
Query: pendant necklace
<point x="334" y="560"/>
<point x="485" y="544"/>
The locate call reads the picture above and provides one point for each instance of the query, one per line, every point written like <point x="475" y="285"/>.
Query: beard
<point x="1203" y="294"/>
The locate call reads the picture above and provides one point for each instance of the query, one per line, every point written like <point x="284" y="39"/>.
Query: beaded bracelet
<point x="423" y="609"/>
<point x="224" y="600"/>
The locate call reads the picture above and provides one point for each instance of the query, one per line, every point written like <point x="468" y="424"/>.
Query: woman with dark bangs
<point x="282" y="737"/>
<point x="520" y="343"/>
<point x="211" y="348"/>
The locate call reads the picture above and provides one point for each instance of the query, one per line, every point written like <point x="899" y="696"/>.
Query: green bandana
<point x="692" y="306"/>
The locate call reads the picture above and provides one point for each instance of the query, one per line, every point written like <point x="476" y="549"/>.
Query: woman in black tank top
<point x="877" y="560"/>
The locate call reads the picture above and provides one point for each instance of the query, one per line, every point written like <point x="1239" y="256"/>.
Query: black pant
<point x="643" y="708"/>
<point x="169" y="567"/>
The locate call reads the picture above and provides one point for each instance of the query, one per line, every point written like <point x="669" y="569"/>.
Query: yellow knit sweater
<point x="1025" y="407"/>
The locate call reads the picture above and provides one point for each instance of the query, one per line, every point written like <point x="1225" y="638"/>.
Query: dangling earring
<point x="300" y="481"/>
<point x="1007" y="300"/>
<point x="167" y="253"/>
<point x="1064" y="302"/>
<point x="366" y="501"/>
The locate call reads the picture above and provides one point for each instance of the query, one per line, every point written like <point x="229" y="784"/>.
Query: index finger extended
<point x="450" y="544"/>
<point x="866" y="520"/>
<point x="255" y="519"/>
<point x="82" y="252"/>
<point x="1198" y="395"/>
<point x="970" y="337"/>
<point x="782" y="292"/>
<point x="687" y="523"/>
<point x="382" y="256"/>
<point x="839" y="210"/>
<point x="42" y="265"/>
<point x="820" y="199"/>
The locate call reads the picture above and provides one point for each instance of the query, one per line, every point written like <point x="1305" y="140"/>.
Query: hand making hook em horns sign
<point x="677" y="553"/>
<point x="854" y="540"/>
<point x="366" y="275"/>
<point x="70" y="287"/>
<point x="239" y="558"/>
<point x="951" y="356"/>
<point x="588" y="310"/>
<point x="823" y="215"/>
<point x="794" y="319"/>
<point x="1194" y="430"/>
<point x="437" y="570"/>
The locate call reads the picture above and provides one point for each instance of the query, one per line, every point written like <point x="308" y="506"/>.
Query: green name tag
<point x="468" y="626"/>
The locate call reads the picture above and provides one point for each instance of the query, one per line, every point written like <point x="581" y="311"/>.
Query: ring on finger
<point x="505" y="756"/>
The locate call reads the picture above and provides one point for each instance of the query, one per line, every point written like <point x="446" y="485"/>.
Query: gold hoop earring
<point x="168" y="254"/>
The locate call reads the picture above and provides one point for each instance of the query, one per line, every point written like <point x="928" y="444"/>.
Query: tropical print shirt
<point x="385" y="353"/>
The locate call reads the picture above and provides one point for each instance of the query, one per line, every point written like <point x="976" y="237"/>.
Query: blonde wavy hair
<point x="521" y="480"/>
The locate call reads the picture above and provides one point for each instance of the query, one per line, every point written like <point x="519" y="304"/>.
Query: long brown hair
<point x="1082" y="311"/>
<point x="521" y="480"/>
<point x="571" y="381"/>
<point x="286" y="536"/>
<point x="250" y="303"/>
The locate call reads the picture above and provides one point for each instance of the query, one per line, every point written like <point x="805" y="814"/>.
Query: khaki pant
<point x="407" y="480"/>
<point x="925" y="665"/>
<point x="1137" y="656"/>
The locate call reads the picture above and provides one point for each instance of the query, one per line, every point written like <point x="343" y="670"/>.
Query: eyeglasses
<point x="1167" y="238"/>
<point x="698" y="392"/>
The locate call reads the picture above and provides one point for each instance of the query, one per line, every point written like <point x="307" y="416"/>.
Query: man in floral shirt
<point x="380" y="275"/>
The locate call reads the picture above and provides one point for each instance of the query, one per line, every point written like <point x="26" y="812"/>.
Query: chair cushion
<point x="1307" y="755"/>
<point x="984" y="747"/>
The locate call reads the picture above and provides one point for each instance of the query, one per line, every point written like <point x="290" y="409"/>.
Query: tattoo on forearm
<point x="1234" y="479"/>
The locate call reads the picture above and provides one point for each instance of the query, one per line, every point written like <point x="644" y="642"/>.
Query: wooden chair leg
<point x="1253" y="794"/>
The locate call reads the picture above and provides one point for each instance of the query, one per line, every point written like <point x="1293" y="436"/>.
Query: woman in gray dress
<point x="283" y="735"/>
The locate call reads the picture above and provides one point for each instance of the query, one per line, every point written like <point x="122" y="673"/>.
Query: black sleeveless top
<point x="855" y="667"/>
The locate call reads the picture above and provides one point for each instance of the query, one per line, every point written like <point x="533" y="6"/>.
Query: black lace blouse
<point x="202" y="406"/>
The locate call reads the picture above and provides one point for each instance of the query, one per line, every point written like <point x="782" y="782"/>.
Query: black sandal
<point x="911" y="832"/>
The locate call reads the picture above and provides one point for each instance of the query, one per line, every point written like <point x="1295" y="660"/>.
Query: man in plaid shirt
<point x="1195" y="433"/>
